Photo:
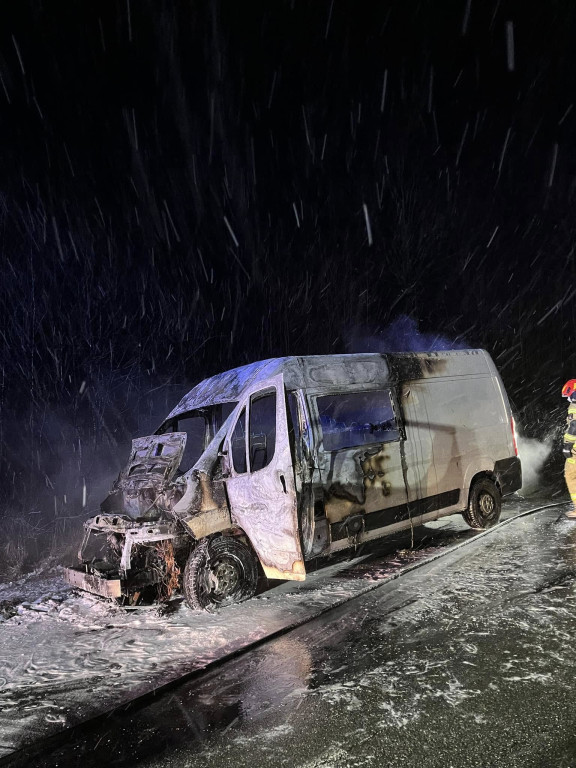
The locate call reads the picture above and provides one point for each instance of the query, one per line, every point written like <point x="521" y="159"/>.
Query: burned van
<point x="259" y="470"/>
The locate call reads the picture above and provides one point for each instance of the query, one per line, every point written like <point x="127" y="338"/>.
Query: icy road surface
<point x="490" y="621"/>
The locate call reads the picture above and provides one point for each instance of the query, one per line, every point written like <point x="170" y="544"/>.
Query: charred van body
<point x="263" y="468"/>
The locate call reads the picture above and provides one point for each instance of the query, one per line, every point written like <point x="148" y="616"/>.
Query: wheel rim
<point x="487" y="506"/>
<point x="224" y="577"/>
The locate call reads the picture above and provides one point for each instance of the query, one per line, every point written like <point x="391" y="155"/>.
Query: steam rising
<point x="533" y="453"/>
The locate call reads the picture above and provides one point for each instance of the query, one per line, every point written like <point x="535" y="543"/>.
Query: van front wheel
<point x="219" y="572"/>
<point x="484" y="505"/>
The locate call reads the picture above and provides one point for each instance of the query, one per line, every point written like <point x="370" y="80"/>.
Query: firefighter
<point x="569" y="444"/>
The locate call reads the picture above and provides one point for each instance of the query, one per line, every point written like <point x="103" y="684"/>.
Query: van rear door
<point x="261" y="488"/>
<point x="470" y="432"/>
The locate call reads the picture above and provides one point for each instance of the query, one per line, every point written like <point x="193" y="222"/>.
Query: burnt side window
<point x="238" y="444"/>
<point x="357" y="418"/>
<point x="262" y="430"/>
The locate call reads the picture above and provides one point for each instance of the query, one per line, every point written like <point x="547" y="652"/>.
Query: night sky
<point x="188" y="186"/>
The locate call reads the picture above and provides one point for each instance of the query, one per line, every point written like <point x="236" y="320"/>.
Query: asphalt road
<point x="466" y="661"/>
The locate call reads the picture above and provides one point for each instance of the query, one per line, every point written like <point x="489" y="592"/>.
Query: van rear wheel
<point x="219" y="572"/>
<point x="484" y="505"/>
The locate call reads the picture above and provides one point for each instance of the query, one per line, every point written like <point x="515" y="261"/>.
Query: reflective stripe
<point x="568" y="438"/>
<point x="571" y="461"/>
<point x="572" y="409"/>
<point x="573" y="496"/>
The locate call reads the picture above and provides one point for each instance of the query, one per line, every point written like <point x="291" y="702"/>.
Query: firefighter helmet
<point x="569" y="389"/>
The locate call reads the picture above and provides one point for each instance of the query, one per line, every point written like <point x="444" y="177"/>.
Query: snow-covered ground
<point x="66" y="656"/>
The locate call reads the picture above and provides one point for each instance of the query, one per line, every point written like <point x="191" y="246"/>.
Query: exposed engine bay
<point x="135" y="551"/>
<point x="131" y="561"/>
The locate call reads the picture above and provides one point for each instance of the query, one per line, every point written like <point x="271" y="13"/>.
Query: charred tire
<point x="484" y="505"/>
<point x="219" y="572"/>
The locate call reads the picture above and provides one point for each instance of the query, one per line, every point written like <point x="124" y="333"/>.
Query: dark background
<point x="186" y="187"/>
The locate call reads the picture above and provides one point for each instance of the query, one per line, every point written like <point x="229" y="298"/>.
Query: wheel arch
<point x="235" y="532"/>
<point x="483" y="474"/>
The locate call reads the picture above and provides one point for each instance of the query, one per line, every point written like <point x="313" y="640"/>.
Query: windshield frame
<point x="214" y="417"/>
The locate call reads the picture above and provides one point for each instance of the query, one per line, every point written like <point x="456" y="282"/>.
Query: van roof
<point x="369" y="369"/>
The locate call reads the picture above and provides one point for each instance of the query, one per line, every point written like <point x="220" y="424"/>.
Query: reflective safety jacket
<point x="569" y="439"/>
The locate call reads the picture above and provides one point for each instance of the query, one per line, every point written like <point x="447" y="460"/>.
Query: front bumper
<point x="133" y="567"/>
<point x="93" y="582"/>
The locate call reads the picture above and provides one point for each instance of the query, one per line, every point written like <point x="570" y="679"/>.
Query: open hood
<point x="143" y="487"/>
<point x="156" y="457"/>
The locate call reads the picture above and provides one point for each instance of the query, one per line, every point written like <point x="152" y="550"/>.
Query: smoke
<point x="533" y="453"/>
<point x="401" y="335"/>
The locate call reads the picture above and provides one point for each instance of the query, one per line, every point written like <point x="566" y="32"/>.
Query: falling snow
<point x="190" y="187"/>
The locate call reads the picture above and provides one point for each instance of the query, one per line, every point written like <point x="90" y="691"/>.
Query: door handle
<point x="283" y="481"/>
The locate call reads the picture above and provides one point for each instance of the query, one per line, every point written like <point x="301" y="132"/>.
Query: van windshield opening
<point x="200" y="426"/>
